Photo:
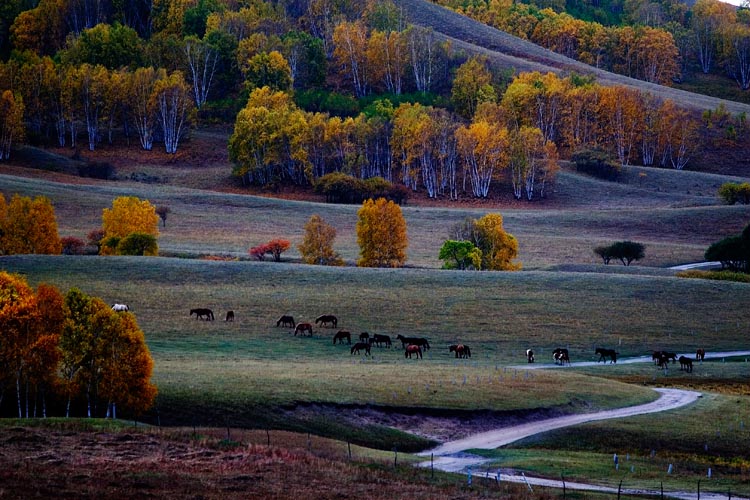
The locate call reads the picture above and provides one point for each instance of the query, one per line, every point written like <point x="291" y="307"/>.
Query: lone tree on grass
<point x="733" y="252"/>
<point x="163" y="211"/>
<point x="497" y="248"/>
<point x="317" y="245"/>
<point x="625" y="251"/>
<point x="128" y="215"/>
<point x="381" y="234"/>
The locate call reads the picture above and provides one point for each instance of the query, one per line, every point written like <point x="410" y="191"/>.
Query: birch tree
<point x="174" y="106"/>
<point x="202" y="60"/>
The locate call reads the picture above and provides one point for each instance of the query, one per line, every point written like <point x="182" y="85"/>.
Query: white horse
<point x="120" y="307"/>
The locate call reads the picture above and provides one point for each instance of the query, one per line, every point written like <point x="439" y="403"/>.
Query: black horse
<point x="230" y="316"/>
<point x="361" y="346"/>
<point x="202" y="313"/>
<point x="341" y="335"/>
<point x="381" y="340"/>
<point x="606" y="353"/>
<point x="364" y="337"/>
<point x="560" y="355"/>
<point x="327" y="319"/>
<point x="529" y="355"/>
<point x="686" y="364"/>
<point x="286" y="320"/>
<point x="418" y="341"/>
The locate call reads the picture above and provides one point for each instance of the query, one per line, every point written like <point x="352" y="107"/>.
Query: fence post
<point x="565" y="493"/>
<point x="395" y="457"/>
<point x="699" y="489"/>
<point x="432" y="465"/>
<point x="349" y="446"/>
<point x="619" y="490"/>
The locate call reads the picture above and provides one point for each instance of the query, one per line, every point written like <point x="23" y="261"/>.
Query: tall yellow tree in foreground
<point x="381" y="234"/>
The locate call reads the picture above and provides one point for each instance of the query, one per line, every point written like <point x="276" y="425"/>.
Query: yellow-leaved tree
<point x="127" y="216"/>
<point x="499" y="248"/>
<point x="317" y="246"/>
<point x="381" y="234"/>
<point x="28" y="226"/>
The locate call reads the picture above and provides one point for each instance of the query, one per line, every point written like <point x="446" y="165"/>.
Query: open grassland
<point x="676" y="228"/>
<point x="242" y="373"/>
<point x="714" y="432"/>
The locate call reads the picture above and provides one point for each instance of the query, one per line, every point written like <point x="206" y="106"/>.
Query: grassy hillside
<point x="674" y="222"/>
<point x="521" y="55"/>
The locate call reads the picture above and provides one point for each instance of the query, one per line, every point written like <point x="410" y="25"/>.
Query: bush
<point x="342" y="188"/>
<point x="96" y="170"/>
<point x="733" y="193"/>
<point x="138" y="244"/>
<point x="733" y="252"/>
<point x="73" y="246"/>
<point x="596" y="163"/>
<point x="715" y="275"/>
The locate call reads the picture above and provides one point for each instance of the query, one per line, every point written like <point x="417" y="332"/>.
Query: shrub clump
<point x="342" y="188"/>
<point x="596" y="163"/>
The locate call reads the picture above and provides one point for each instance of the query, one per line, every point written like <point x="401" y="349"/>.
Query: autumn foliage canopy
<point x="381" y="234"/>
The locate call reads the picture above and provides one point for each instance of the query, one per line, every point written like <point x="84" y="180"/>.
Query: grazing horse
<point x="413" y="349"/>
<point x="686" y="364"/>
<point x="286" y="320"/>
<point x="301" y="328"/>
<point x="461" y="350"/>
<point x="657" y="356"/>
<point x="202" y="313"/>
<point x="364" y="337"/>
<point x="361" y="346"/>
<point x="327" y="319"/>
<point x="561" y="356"/>
<point x="418" y="341"/>
<point x="230" y="316"/>
<point x="700" y="355"/>
<point x="120" y="307"/>
<point x="381" y="340"/>
<point x="529" y="355"/>
<point x="341" y="335"/>
<point x="606" y="353"/>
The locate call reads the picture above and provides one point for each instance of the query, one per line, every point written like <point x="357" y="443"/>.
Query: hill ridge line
<point x="508" y="50"/>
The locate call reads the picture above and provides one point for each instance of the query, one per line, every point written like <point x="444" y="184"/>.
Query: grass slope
<point x="521" y="55"/>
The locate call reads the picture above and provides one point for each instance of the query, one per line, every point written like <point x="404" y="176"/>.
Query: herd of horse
<point x="416" y="346"/>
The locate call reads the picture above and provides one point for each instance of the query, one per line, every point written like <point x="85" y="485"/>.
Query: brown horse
<point x="606" y="353"/>
<point x="413" y="349"/>
<point x="700" y="355"/>
<point x="202" y="313"/>
<point x="361" y="346"/>
<point x="341" y="335"/>
<point x="301" y="328"/>
<point x="461" y="350"/>
<point x="327" y="319"/>
<point x="364" y="337"/>
<point x="286" y="320"/>
<point x="230" y="316"/>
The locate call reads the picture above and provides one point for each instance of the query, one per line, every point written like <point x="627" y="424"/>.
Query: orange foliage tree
<point x="381" y="234"/>
<point x="30" y="326"/>
<point x="128" y="215"/>
<point x="28" y="226"/>
<point x="105" y="357"/>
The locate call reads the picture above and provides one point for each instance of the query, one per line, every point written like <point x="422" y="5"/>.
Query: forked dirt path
<point x="451" y="456"/>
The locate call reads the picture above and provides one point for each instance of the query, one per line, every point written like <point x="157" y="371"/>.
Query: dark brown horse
<point x="327" y="319"/>
<point x="381" y="340"/>
<point x="461" y="350"/>
<point x="341" y="335"/>
<point x="700" y="355"/>
<point x="361" y="346"/>
<point x="606" y="353"/>
<point x="413" y="349"/>
<point x="202" y="313"/>
<point x="286" y="320"/>
<point x="364" y="337"/>
<point x="658" y="356"/>
<point x="419" y="341"/>
<point x="301" y="328"/>
<point x="686" y="364"/>
<point x="230" y="316"/>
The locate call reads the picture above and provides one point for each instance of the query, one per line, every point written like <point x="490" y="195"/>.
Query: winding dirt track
<point x="452" y="456"/>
